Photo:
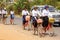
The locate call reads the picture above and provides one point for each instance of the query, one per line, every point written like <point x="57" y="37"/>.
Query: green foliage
<point x="58" y="0"/>
<point x="21" y="4"/>
<point x="1" y="0"/>
<point x="58" y="7"/>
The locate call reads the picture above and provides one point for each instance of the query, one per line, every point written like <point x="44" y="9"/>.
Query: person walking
<point x="4" y="13"/>
<point x="11" y="16"/>
<point x="0" y="14"/>
<point x="24" y="14"/>
<point x="45" y="18"/>
<point x="35" y="14"/>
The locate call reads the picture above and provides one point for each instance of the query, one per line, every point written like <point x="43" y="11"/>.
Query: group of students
<point x="38" y="18"/>
<point x="4" y="15"/>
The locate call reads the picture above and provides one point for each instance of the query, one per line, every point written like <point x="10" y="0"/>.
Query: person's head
<point x="35" y="8"/>
<point x="11" y="9"/>
<point x="0" y="8"/>
<point x="46" y="7"/>
<point x="5" y="9"/>
<point x="25" y="8"/>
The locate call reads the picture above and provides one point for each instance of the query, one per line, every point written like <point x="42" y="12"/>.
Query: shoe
<point x="51" y="34"/>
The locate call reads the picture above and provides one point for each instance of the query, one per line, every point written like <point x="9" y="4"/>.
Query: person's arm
<point x="38" y="13"/>
<point x="43" y="13"/>
<point x="32" y="13"/>
<point x="13" y="12"/>
<point x="49" y="15"/>
<point x="28" y="13"/>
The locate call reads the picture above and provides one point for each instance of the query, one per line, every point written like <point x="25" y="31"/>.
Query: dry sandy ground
<point x="15" y="32"/>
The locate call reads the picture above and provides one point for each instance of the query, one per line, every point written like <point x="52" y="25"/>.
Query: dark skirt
<point x="34" y="22"/>
<point x="23" y="19"/>
<point x="0" y="14"/>
<point x="12" y="16"/>
<point x="4" y="15"/>
<point x="45" y="21"/>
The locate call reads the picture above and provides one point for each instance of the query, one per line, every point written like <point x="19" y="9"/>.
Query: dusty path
<point x="15" y="32"/>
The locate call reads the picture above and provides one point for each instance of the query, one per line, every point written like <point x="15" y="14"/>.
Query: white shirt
<point x="3" y="12"/>
<point x="35" y="13"/>
<point x="11" y="12"/>
<point x="45" y="12"/>
<point x="0" y="12"/>
<point x="25" y="12"/>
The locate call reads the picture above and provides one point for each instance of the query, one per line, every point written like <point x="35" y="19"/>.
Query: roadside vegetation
<point x="20" y="4"/>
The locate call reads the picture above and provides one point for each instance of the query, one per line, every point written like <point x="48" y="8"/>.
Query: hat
<point x="46" y="7"/>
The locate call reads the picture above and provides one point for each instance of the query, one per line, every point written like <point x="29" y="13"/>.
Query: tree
<point x="20" y="4"/>
<point x="58" y="0"/>
<point x="2" y="4"/>
<point x="51" y="2"/>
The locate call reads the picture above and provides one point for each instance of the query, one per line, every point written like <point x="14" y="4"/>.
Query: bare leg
<point x="51" y="31"/>
<point x="23" y="26"/>
<point x="12" y="21"/>
<point x="40" y="31"/>
<point x="4" y="20"/>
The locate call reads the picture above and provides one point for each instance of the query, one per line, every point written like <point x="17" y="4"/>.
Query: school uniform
<point x="12" y="14"/>
<point x="24" y="13"/>
<point x="35" y="14"/>
<point x="0" y="13"/>
<point x="45" y="18"/>
<point x="4" y="13"/>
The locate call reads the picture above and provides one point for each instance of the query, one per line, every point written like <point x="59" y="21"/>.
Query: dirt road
<point x="15" y="32"/>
